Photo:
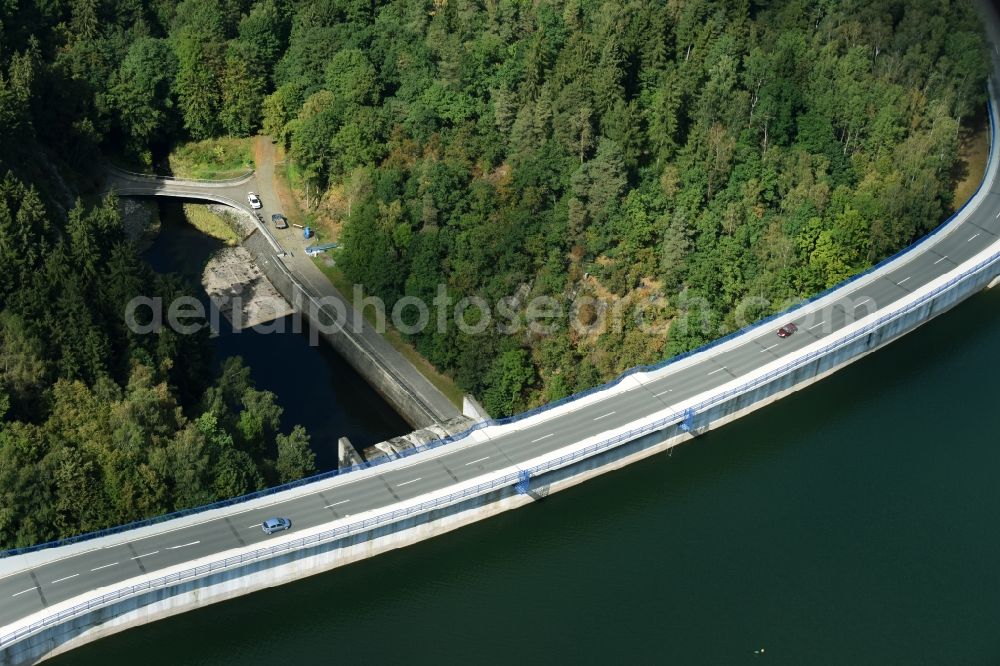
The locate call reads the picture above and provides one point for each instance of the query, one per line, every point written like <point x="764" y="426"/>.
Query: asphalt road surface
<point x="32" y="590"/>
<point x="433" y="405"/>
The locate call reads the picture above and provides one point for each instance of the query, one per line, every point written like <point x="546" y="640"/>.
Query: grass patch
<point x="207" y="222"/>
<point x="292" y="174"/>
<point x="212" y="159"/>
<point x="440" y="381"/>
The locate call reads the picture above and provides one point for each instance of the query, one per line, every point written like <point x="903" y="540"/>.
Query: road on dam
<point x="25" y="592"/>
<point x="85" y="569"/>
<point x="427" y="405"/>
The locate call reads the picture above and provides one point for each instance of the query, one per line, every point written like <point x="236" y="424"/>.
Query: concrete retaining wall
<point x="286" y="567"/>
<point x="415" y="398"/>
<point x="404" y="402"/>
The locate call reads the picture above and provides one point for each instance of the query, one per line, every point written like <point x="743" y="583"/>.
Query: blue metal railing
<point x="529" y="413"/>
<point x="514" y="478"/>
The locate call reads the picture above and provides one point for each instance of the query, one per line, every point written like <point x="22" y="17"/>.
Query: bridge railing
<point x="531" y="412"/>
<point x="222" y="182"/>
<point x="396" y="515"/>
<point x="203" y="196"/>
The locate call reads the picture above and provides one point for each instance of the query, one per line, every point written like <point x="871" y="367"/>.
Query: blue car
<point x="272" y="525"/>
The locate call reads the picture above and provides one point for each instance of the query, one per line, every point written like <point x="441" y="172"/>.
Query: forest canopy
<point x="717" y="159"/>
<point x="100" y="426"/>
<point x="723" y="157"/>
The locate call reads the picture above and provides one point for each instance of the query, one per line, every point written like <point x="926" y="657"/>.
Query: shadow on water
<point x="314" y="385"/>
<point x="179" y="247"/>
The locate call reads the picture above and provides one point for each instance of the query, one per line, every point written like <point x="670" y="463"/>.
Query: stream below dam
<point x="314" y="385"/>
<point x="854" y="522"/>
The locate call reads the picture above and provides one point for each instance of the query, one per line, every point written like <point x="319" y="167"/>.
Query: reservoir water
<point x="314" y="385"/>
<point x="855" y="522"/>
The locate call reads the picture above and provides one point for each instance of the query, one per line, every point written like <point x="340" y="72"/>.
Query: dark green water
<point x="314" y="385"/>
<point x="856" y="522"/>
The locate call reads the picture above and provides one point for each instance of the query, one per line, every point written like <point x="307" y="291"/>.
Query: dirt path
<point x="263" y="155"/>
<point x="277" y="198"/>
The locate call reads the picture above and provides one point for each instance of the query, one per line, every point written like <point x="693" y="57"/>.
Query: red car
<point x="787" y="330"/>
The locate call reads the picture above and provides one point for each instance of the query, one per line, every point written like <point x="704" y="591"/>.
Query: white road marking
<point x="860" y="303"/>
<point x="254" y="527"/>
<point x="59" y="580"/>
<point x="543" y="437"/>
<point x="940" y="260"/>
<point x="768" y="348"/>
<point x="603" y="416"/>
<point x="998" y="214"/>
<point x="657" y="395"/>
<point x="104" y="566"/>
<point x="400" y="485"/>
<point x="815" y="325"/>
<point x="904" y="280"/>
<point x="719" y="370"/>
<point x="337" y="503"/>
<point x="478" y="461"/>
<point x="183" y="545"/>
<point x="154" y="552"/>
<point x="24" y="591"/>
<point x="973" y="237"/>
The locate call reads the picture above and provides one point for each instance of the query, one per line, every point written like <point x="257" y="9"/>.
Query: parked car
<point x="787" y="330"/>
<point x="272" y="525"/>
<point x="254" y="201"/>
<point x="280" y="221"/>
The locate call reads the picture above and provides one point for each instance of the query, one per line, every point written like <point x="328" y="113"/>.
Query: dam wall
<point x="352" y="341"/>
<point x="234" y="573"/>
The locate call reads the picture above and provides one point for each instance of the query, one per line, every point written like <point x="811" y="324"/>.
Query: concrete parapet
<point x="347" y="455"/>
<point x="449" y="514"/>
<point x="114" y="174"/>
<point x="433" y="432"/>
<point x="472" y="409"/>
<point x="94" y="616"/>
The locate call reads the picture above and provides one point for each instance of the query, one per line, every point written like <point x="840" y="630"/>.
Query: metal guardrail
<point x="256" y="555"/>
<point x="207" y="196"/>
<point x="511" y="419"/>
<point x="222" y="182"/>
<point x="390" y="517"/>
